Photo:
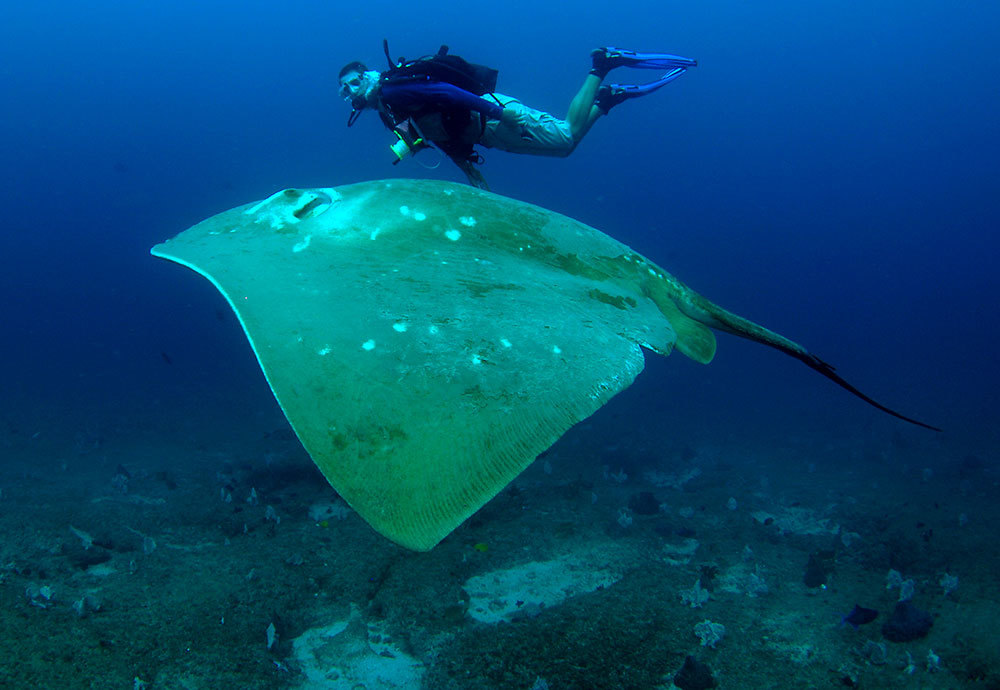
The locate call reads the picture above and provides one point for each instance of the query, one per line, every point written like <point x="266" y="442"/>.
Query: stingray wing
<point x="428" y="340"/>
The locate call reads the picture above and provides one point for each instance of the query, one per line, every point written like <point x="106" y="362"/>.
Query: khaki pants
<point x="537" y="132"/>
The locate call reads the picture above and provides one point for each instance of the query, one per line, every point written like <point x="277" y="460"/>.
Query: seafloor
<point x="197" y="556"/>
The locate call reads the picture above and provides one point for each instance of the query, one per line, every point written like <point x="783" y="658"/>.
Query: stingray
<point x="428" y="340"/>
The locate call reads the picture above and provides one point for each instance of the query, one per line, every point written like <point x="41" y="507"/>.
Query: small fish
<point x="859" y="615"/>
<point x="481" y="547"/>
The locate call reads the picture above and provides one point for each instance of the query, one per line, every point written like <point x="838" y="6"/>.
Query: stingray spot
<point x="476" y="359"/>
<point x="324" y="351"/>
<point x="556" y="350"/>
<point x="405" y="210"/>
<point x="432" y="330"/>
<point x="368" y="345"/>
<point x="651" y="271"/>
<point x="453" y="235"/>
<point x="400" y="326"/>
<point x="417" y="215"/>
<point x="504" y="342"/>
<point x="614" y="300"/>
<point x="467" y="221"/>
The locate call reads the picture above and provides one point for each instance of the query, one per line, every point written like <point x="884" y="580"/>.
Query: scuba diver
<point x="443" y="100"/>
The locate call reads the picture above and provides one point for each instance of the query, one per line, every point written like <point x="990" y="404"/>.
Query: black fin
<point x="817" y="364"/>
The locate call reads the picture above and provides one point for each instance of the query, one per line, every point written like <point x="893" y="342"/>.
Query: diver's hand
<point x="508" y="118"/>
<point x="475" y="177"/>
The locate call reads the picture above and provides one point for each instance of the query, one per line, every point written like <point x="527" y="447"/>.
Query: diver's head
<point x="357" y="84"/>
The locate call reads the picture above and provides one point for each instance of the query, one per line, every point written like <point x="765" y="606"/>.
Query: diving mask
<point x="356" y="87"/>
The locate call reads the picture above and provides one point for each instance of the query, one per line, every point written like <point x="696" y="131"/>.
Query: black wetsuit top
<point x="443" y="113"/>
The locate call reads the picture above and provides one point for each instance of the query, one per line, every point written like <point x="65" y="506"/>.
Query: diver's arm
<point x="474" y="175"/>
<point x="437" y="94"/>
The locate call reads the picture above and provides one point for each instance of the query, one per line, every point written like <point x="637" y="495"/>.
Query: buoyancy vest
<point x="450" y="69"/>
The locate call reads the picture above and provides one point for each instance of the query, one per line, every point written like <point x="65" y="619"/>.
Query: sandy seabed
<point x="135" y="558"/>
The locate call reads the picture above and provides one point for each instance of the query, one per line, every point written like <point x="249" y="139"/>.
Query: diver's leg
<point x="593" y="116"/>
<point x="581" y="115"/>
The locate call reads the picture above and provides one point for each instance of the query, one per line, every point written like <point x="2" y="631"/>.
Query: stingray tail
<point x="711" y="314"/>
<point x="817" y="364"/>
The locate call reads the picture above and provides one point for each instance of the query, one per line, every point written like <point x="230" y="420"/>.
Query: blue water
<point x="829" y="169"/>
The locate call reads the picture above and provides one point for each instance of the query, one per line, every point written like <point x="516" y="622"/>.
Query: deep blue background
<point x="829" y="169"/>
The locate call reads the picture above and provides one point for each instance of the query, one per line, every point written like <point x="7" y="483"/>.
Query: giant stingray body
<point x="428" y="340"/>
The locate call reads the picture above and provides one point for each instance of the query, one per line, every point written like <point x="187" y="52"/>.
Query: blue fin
<point x="636" y="90"/>
<point x="606" y="59"/>
<point x="610" y="95"/>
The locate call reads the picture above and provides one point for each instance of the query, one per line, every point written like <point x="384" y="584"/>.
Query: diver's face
<point x="352" y="86"/>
